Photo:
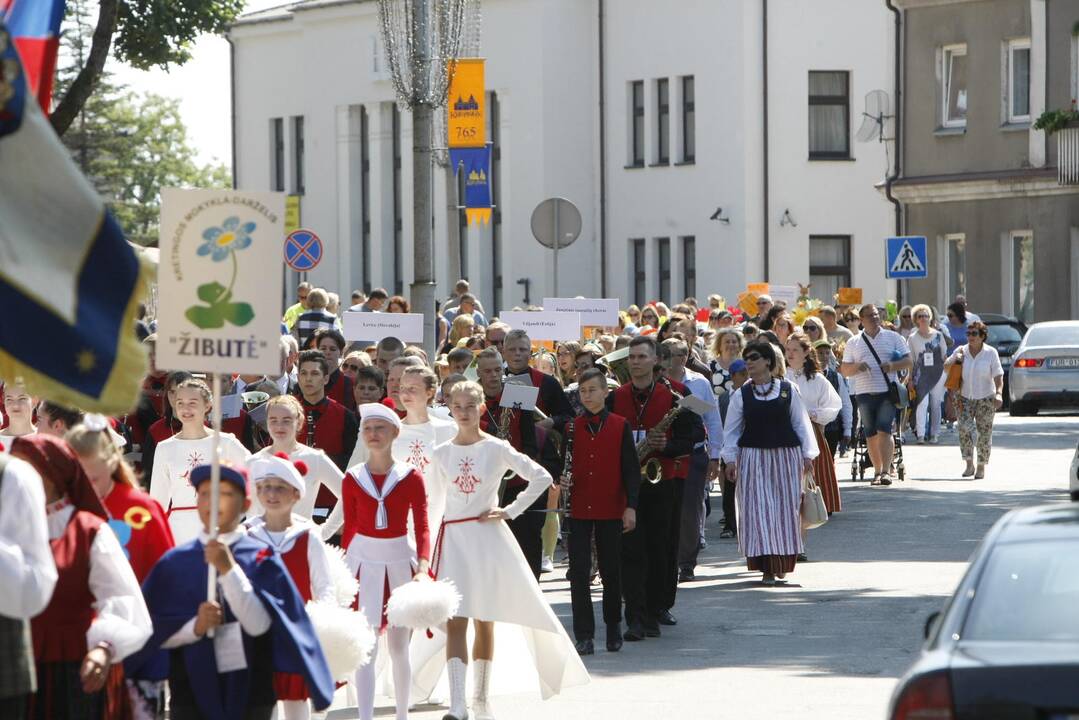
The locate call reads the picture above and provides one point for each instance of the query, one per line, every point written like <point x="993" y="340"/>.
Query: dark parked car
<point x="1006" y="646"/>
<point x="1005" y="334"/>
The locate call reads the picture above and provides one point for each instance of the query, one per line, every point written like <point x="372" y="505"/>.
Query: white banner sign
<point x="786" y="293"/>
<point x="219" y="281"/>
<point x="545" y="324"/>
<point x="373" y="326"/>
<point x="594" y="311"/>
<point x="520" y="397"/>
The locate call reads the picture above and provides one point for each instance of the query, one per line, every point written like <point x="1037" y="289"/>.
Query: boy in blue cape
<point x="258" y="619"/>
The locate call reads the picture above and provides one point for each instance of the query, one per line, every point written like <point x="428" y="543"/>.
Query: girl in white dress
<point x="284" y="420"/>
<point x="421" y="432"/>
<point x="280" y="487"/>
<point x="476" y="550"/>
<point x="187" y="449"/>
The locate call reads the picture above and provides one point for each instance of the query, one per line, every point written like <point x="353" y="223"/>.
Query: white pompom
<point x="345" y="635"/>
<point x="423" y="604"/>
<point x="345" y="584"/>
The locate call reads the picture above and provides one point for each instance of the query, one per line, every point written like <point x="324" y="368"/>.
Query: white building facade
<point x="679" y="134"/>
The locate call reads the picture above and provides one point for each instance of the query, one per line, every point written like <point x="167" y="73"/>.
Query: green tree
<point x="130" y="146"/>
<point x="147" y="33"/>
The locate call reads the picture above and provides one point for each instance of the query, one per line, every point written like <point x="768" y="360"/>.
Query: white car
<point x="1045" y="368"/>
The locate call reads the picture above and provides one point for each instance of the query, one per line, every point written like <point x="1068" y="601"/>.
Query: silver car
<point x="1045" y="368"/>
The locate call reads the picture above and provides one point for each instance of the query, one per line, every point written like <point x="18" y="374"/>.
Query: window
<point x="829" y="264"/>
<point x="297" y="150"/>
<point x="663" y="121"/>
<point x="639" y="274"/>
<point x="398" y="215"/>
<point x="689" y="120"/>
<point x="494" y="136"/>
<point x="636" y="157"/>
<point x="689" y="266"/>
<point x="1023" y="275"/>
<point x="955" y="267"/>
<point x="954" y="86"/>
<point x="277" y="148"/>
<point x="365" y="201"/>
<point x="663" y="248"/>
<point x="829" y="115"/>
<point x="1017" y="95"/>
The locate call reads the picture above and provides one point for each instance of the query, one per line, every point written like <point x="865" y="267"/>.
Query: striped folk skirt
<point x="824" y="473"/>
<point x="769" y="497"/>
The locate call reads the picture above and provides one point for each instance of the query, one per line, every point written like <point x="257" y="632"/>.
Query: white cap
<point x="370" y="411"/>
<point x="264" y="467"/>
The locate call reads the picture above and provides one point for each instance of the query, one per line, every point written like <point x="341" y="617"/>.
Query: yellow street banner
<point x="466" y="106"/>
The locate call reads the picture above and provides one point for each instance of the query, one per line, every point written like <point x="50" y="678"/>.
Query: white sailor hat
<point x="369" y="411"/>
<point x="278" y="466"/>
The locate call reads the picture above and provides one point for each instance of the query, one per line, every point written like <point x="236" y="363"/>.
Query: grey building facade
<point x="988" y="190"/>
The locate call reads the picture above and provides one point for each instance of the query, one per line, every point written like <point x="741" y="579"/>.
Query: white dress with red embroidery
<point x="415" y="446"/>
<point x="486" y="564"/>
<point x="169" y="484"/>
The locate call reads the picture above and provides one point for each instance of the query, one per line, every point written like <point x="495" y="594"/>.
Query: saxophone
<point x="652" y="468"/>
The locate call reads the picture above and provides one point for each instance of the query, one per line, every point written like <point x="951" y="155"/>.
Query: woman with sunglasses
<point x="906" y="321"/>
<point x="928" y="347"/>
<point x="783" y="327"/>
<point x="768" y="445"/>
<point x="979" y="397"/>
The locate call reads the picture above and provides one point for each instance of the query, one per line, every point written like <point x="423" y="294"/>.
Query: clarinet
<point x="310" y="428"/>
<point x="567" y="470"/>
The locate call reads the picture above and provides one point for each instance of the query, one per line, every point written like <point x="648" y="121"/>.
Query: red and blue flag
<point x="35" y="26"/>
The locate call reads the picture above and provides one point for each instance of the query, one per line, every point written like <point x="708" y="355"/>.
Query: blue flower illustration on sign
<point x="221" y="243"/>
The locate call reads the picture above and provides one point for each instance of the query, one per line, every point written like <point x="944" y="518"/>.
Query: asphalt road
<point x="832" y="642"/>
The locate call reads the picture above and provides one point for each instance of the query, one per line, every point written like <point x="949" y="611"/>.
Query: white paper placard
<point x="219" y="281"/>
<point x="594" y="311"/>
<point x="373" y="326"/>
<point x="231" y="406"/>
<point x="694" y="403"/>
<point x="522" y="397"/>
<point x="786" y="293"/>
<point x="545" y="324"/>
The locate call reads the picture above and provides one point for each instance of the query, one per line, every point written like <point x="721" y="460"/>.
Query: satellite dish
<point x="877" y="109"/>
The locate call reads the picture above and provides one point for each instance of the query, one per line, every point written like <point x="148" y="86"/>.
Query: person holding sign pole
<point x="176" y="456"/>
<point x="516" y="351"/>
<point x="224" y="651"/>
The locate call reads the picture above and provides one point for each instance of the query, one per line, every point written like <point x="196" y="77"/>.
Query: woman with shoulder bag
<point x="928" y="347"/>
<point x="979" y="397"/>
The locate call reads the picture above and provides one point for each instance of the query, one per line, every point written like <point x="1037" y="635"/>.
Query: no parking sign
<point x="303" y="250"/>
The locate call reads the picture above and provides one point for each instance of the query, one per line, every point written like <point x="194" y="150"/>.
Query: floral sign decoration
<point x="222" y="243"/>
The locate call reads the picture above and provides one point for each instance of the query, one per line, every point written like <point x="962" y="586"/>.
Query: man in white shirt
<point x="870" y="379"/>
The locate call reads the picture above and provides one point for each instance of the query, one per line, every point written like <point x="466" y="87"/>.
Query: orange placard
<point x="466" y="104"/>
<point x="748" y="302"/>
<point x="849" y="296"/>
<point x="757" y="289"/>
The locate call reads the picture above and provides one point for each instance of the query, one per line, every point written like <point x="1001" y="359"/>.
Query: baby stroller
<point x="860" y="451"/>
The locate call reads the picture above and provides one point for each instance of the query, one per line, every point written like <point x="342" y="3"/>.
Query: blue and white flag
<point x="70" y="285"/>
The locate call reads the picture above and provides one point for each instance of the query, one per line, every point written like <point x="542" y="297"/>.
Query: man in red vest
<point x="523" y="436"/>
<point x="516" y="350"/>
<point x="646" y="552"/>
<point x="601" y="490"/>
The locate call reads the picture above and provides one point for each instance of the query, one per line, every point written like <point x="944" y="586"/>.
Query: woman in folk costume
<point x="279" y="486"/>
<point x="421" y="432"/>
<point x="476" y="551"/>
<point x="767" y="445"/>
<point x="140" y="526"/>
<point x="96" y="604"/>
<point x="823" y="404"/>
<point x="378" y="497"/>
<point x="178" y="455"/>
<point x="284" y="420"/>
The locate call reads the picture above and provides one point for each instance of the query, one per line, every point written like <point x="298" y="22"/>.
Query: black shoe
<point x="585" y="647"/>
<point x="802" y="557"/>
<point x="634" y="633"/>
<point x="614" y="638"/>
<point x="651" y="629"/>
<point x="727" y="534"/>
<point x="664" y="617"/>
<point x="686" y="576"/>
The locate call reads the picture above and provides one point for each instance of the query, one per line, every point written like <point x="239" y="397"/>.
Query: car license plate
<point x="1063" y="362"/>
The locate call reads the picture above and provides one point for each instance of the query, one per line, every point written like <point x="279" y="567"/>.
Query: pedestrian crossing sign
<point x="907" y="258"/>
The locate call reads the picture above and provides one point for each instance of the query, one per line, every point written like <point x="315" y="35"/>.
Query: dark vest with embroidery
<point x="767" y="422"/>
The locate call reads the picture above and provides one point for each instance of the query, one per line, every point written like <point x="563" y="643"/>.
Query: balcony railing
<point x="1068" y="155"/>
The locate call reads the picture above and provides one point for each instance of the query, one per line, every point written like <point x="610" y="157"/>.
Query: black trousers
<point x="674" y="530"/>
<point x="647" y="562"/>
<point x="730" y="514"/>
<point x="528" y="527"/>
<point x="833" y="437"/>
<point x="691" y="518"/>
<point x="608" y="536"/>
